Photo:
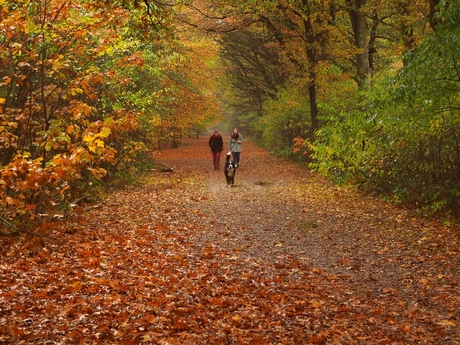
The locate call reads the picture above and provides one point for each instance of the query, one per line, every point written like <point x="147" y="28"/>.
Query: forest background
<point x="364" y="91"/>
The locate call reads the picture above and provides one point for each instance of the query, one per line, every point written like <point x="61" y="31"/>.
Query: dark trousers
<point x="236" y="157"/>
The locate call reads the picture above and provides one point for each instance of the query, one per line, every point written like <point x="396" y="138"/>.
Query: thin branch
<point x="42" y="241"/>
<point x="9" y="224"/>
<point x="149" y="13"/>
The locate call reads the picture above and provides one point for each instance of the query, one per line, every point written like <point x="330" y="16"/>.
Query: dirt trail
<point x="283" y="257"/>
<point x="277" y="207"/>
<point x="279" y="211"/>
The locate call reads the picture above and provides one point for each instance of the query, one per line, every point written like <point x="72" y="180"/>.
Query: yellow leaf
<point x="76" y="285"/>
<point x="104" y="133"/>
<point x="447" y="323"/>
<point x="98" y="173"/>
<point x="76" y="91"/>
<point x="315" y="304"/>
<point x="88" y="138"/>
<point x="236" y="318"/>
<point x="70" y="129"/>
<point x="108" y="121"/>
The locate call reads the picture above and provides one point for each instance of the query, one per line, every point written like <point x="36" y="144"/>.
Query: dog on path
<point x="229" y="170"/>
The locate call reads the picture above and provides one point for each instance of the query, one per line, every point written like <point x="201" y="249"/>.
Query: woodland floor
<point x="283" y="257"/>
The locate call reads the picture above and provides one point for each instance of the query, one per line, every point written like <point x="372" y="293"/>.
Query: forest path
<point x="280" y="212"/>
<point x="280" y="208"/>
<point x="283" y="257"/>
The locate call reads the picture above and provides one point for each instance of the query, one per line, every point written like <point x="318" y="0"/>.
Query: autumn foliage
<point x="83" y="96"/>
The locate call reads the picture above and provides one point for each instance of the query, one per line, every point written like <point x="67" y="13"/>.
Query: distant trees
<point x="366" y="89"/>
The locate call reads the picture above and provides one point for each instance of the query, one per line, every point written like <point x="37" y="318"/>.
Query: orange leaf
<point x="447" y="323"/>
<point x="315" y="304"/>
<point x="180" y="324"/>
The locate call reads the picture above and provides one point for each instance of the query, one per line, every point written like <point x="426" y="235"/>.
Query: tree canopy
<point x="368" y="91"/>
<point x="365" y="91"/>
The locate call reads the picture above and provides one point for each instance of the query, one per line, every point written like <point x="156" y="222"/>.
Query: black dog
<point x="229" y="170"/>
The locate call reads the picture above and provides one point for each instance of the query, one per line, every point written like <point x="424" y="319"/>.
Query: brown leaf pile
<point x="283" y="257"/>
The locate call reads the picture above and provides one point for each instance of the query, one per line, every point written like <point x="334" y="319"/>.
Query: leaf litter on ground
<point x="283" y="257"/>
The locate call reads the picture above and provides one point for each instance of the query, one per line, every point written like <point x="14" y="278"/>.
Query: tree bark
<point x="432" y="18"/>
<point x="312" y="82"/>
<point x="360" y="35"/>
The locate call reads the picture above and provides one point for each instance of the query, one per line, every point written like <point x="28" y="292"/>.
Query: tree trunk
<point x="360" y="35"/>
<point x="432" y="14"/>
<point x="312" y="82"/>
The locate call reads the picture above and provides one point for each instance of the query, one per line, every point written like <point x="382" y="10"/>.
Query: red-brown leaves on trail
<point x="318" y="339"/>
<point x="185" y="260"/>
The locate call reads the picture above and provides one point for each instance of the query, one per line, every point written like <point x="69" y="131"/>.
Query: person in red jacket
<point x="216" y="143"/>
